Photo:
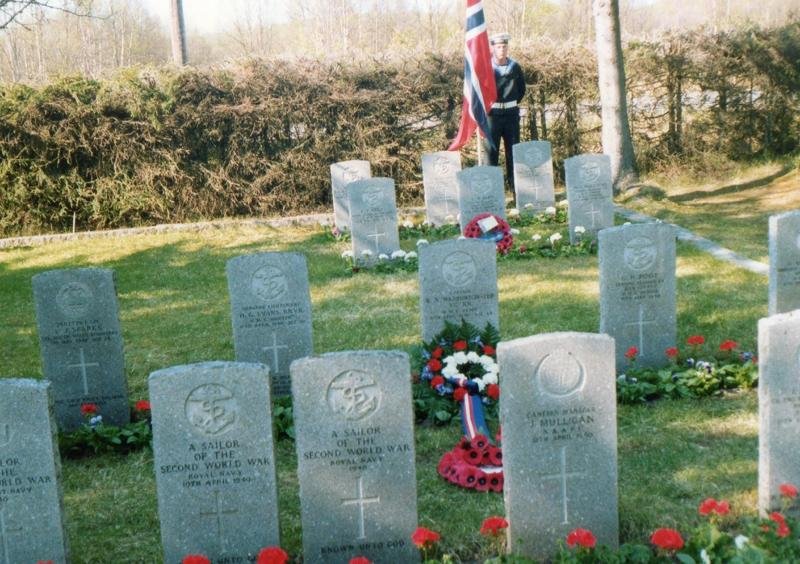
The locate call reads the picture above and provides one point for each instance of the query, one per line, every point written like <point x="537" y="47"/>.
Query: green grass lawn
<point x="174" y="310"/>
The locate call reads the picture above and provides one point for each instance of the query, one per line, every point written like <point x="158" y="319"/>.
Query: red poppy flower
<point x="360" y="560"/>
<point x="436" y="381"/>
<point x="272" y="555"/>
<point x="488" y="349"/>
<point x="195" y="559"/>
<point x="711" y="505"/>
<point x="472" y="455"/>
<point x="728" y="345"/>
<point x="468" y="476"/>
<point x="493" y="391"/>
<point x="142" y="405"/>
<point x="496" y="482"/>
<point x="443" y="468"/>
<point x="581" y="537"/>
<point x="672" y="352"/>
<point x="493" y="526"/>
<point x="695" y="340"/>
<point x="423" y="538"/>
<point x="495" y="455"/>
<point x="464" y="442"/>
<point x="482" y="482"/>
<point x="89" y="408"/>
<point x="480" y="442"/>
<point x="437" y="352"/>
<point x="667" y="539"/>
<point x="459" y="393"/>
<point x="435" y="365"/>
<point x="460" y="345"/>
<point x="788" y="490"/>
<point x="632" y="353"/>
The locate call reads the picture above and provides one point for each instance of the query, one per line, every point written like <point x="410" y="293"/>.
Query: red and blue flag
<point x="480" y="91"/>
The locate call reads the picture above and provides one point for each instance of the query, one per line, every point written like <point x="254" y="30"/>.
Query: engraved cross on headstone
<point x="218" y="512"/>
<point x="641" y="323"/>
<point x="594" y="212"/>
<point x="443" y="196"/>
<point x="274" y="348"/>
<point x="5" y="531"/>
<point x="361" y="501"/>
<point x="83" y="365"/>
<point x="377" y="236"/>
<point x="563" y="476"/>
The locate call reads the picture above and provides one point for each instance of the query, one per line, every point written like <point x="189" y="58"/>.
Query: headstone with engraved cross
<point x="271" y="312"/>
<point x="214" y="462"/>
<point x="81" y="343"/>
<point x="31" y="509"/>
<point x="441" y="187"/>
<point x="784" y="262"/>
<point x="480" y="190"/>
<point x="778" y="408"/>
<point x="373" y="218"/>
<point x="533" y="176"/>
<point x="457" y="280"/>
<point x="342" y="174"/>
<point x="637" y="290"/>
<point x="589" y="194"/>
<point x="558" y="412"/>
<point x="355" y="449"/>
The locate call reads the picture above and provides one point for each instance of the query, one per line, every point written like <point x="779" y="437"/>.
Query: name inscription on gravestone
<point x="214" y="464"/>
<point x="458" y="280"/>
<point x="31" y="513"/>
<point x="271" y="312"/>
<point x="355" y="453"/>
<point x="81" y="343"/>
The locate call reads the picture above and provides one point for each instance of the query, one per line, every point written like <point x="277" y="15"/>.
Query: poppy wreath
<point x="461" y="362"/>
<point x="500" y="233"/>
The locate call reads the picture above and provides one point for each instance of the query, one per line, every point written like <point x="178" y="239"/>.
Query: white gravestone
<point x="342" y="174"/>
<point x="558" y="412"/>
<point x="441" y="187"/>
<point x="373" y="218"/>
<point x="778" y="408"/>
<point x="589" y="193"/>
<point x="480" y="190"/>
<point x="637" y="290"/>
<point x="784" y="262"/>
<point x="533" y="176"/>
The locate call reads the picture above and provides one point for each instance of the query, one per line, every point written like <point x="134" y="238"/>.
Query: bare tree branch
<point x="11" y="10"/>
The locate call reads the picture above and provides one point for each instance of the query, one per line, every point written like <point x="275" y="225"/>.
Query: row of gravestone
<point x="215" y="466"/>
<point x="367" y="206"/>
<point x="82" y="349"/>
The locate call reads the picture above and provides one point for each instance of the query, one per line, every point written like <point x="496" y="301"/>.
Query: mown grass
<point x="174" y="309"/>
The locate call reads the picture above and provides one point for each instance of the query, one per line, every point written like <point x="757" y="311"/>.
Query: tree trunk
<point x="178" y="34"/>
<point x="616" y="135"/>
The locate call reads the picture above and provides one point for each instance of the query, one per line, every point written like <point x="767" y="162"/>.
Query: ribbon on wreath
<point x="473" y="420"/>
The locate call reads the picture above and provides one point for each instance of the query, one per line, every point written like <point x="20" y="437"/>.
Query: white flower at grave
<point x="580" y="230"/>
<point x="410" y="255"/>
<point x="398" y="254"/>
<point x="366" y="253"/>
<point x="528" y="206"/>
<point x="563" y="204"/>
<point x="740" y="541"/>
<point x="514" y="231"/>
<point x="536" y="237"/>
<point x="383" y="256"/>
<point x="513" y="212"/>
<point x="427" y="223"/>
<point x="550" y="210"/>
<point x="450" y="218"/>
<point x="704" y="557"/>
<point x="554" y="238"/>
<point x="347" y="254"/>
<point x="462" y="238"/>
<point x="422" y="242"/>
<point x="627" y="223"/>
<point x="408" y="224"/>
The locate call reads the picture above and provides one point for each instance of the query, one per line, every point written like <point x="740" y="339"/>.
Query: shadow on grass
<point x="733" y="188"/>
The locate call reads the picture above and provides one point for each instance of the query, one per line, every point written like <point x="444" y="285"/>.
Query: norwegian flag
<point x="480" y="91"/>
